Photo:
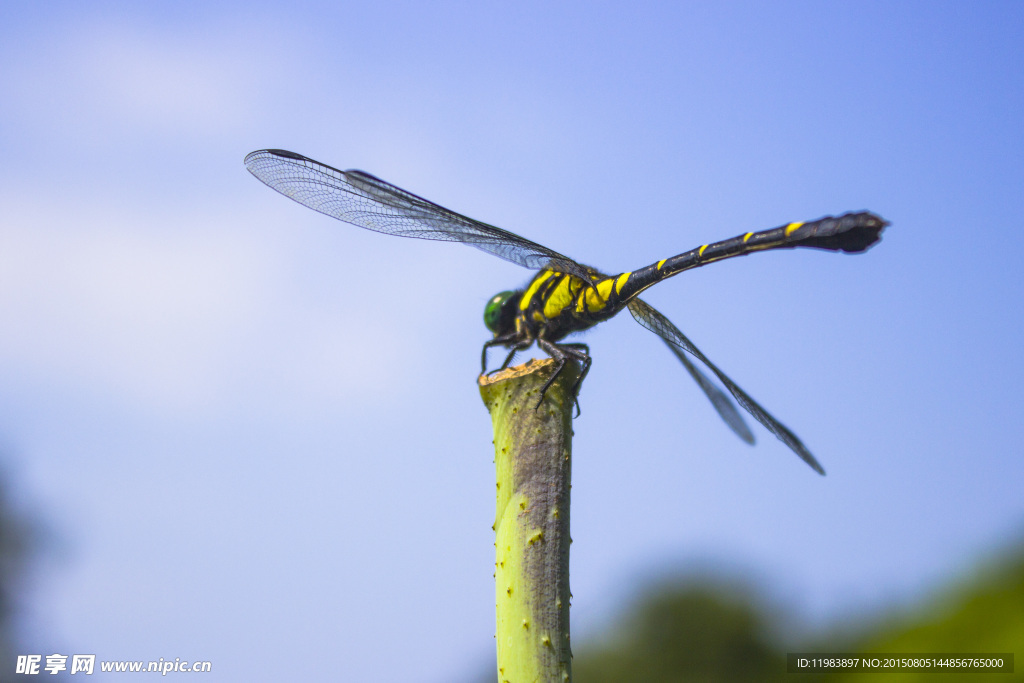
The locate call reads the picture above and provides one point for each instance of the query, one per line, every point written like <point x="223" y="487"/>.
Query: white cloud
<point x="111" y="78"/>
<point x="158" y="80"/>
<point x="114" y="302"/>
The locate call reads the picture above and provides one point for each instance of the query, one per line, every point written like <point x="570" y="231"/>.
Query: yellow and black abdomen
<point x="851" y="232"/>
<point x="556" y="304"/>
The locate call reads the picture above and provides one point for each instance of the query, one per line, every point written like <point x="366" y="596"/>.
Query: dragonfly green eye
<point x="492" y="313"/>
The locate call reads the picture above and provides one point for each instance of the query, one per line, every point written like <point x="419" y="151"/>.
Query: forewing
<point x="661" y="326"/>
<point x="369" y="202"/>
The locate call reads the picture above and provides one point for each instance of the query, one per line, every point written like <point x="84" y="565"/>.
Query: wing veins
<point x="368" y="202"/>
<point x="721" y="402"/>
<point x="654" y="321"/>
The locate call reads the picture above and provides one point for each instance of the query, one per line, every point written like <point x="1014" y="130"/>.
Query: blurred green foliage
<point x="16" y="544"/>
<point x="708" y="631"/>
<point x="697" y="632"/>
<point x="984" y="612"/>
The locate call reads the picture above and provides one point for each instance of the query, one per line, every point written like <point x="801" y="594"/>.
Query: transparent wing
<point x="722" y="403"/>
<point x="369" y="202"/>
<point x="661" y="326"/>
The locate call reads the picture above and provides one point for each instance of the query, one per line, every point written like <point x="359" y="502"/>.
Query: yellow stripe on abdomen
<point x="620" y="281"/>
<point x="597" y="296"/>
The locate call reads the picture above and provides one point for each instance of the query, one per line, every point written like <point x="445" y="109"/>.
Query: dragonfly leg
<point x="503" y="340"/>
<point x="516" y="348"/>
<point x="560" y="353"/>
<point x="585" y="358"/>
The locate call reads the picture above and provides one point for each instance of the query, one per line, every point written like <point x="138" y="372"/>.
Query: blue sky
<point x="255" y="432"/>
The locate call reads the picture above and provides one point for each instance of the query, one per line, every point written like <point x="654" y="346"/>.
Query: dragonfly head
<point x="500" y="313"/>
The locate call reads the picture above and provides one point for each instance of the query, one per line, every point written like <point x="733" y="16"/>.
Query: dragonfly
<point x="564" y="296"/>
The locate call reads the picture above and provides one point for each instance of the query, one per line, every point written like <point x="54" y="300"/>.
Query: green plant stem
<point x="533" y="461"/>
